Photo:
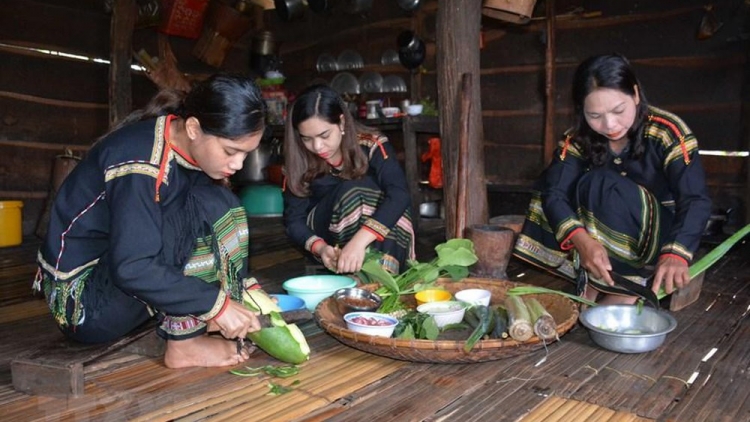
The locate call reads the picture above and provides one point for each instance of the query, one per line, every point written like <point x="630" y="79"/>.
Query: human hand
<point x="330" y="256"/>
<point x="236" y="321"/>
<point x="594" y="257"/>
<point x="350" y="259"/>
<point x="671" y="271"/>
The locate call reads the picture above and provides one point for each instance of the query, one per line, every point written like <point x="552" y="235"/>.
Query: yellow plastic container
<point x="10" y="223"/>
<point x="432" y="295"/>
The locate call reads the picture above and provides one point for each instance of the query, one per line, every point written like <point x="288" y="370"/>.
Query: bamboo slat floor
<point x="700" y="373"/>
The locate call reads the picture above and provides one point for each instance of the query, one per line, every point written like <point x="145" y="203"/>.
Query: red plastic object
<point x="183" y="18"/>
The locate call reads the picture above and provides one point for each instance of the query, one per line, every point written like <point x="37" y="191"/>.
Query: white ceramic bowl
<point x="449" y="312"/>
<point x="390" y="111"/>
<point x="474" y="296"/>
<point x="314" y="288"/>
<point x="415" y="109"/>
<point x="371" y="323"/>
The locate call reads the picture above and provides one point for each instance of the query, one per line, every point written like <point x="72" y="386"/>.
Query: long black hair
<point x="301" y="165"/>
<point x="606" y="71"/>
<point x="226" y="105"/>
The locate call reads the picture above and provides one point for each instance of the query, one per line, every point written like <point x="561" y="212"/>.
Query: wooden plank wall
<point x="700" y="80"/>
<point x="50" y="103"/>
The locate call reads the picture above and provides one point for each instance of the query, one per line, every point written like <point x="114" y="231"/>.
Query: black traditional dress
<point x="338" y="208"/>
<point x="639" y="210"/>
<point x="136" y="230"/>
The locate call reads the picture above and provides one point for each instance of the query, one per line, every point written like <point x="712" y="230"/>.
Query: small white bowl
<point x="474" y="296"/>
<point x="448" y="312"/>
<point x="415" y="109"/>
<point x="359" y="323"/>
<point x="390" y="111"/>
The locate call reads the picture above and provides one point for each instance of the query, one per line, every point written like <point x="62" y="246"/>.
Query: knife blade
<point x="290" y="317"/>
<point x="643" y="291"/>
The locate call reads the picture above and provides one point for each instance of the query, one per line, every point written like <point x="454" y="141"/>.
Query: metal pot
<point x="429" y="209"/>
<point x="253" y="168"/>
<point x="264" y="43"/>
<point x="411" y="50"/>
<point x="289" y="10"/>
<point x="715" y="223"/>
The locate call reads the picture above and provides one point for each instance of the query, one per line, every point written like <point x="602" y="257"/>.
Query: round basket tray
<point x="562" y="309"/>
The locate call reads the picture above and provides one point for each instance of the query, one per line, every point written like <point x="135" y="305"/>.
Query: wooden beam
<point x="121" y="40"/>
<point x="549" y="85"/>
<point x="458" y="24"/>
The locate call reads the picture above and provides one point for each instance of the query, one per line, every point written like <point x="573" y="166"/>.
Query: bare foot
<point x="203" y="351"/>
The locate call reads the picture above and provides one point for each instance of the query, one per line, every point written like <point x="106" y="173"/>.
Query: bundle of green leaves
<point x="453" y="260"/>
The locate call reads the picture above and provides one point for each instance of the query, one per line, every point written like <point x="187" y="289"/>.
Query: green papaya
<point x="283" y="341"/>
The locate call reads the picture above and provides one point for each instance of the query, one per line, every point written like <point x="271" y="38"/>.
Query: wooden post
<point x="454" y="59"/>
<point x="121" y="39"/>
<point x="745" y="131"/>
<point x="549" y="82"/>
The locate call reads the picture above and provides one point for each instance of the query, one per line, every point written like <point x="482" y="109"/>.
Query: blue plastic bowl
<point x="314" y="288"/>
<point x="289" y="303"/>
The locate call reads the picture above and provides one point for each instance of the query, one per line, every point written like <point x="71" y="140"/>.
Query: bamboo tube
<point x="519" y="320"/>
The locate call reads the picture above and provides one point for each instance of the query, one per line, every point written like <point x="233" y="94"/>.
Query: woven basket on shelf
<point x="562" y="309"/>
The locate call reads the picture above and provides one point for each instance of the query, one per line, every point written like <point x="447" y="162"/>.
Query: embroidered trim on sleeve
<point x="377" y="228"/>
<point x="219" y="306"/>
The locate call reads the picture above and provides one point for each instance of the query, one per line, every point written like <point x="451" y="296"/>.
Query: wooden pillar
<point x="121" y="39"/>
<point x="745" y="142"/>
<point x="549" y="81"/>
<point x="458" y="24"/>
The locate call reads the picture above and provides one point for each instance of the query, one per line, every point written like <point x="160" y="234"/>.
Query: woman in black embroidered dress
<point x="142" y="227"/>
<point x="625" y="190"/>
<point x="345" y="190"/>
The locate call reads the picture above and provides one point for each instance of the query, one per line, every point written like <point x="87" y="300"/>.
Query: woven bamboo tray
<point x="562" y="309"/>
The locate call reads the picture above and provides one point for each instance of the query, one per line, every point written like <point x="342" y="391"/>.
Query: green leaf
<point x="431" y="275"/>
<point x="456" y="272"/>
<point x="277" y="389"/>
<point x="429" y="329"/>
<point x="385" y="278"/>
<point x="407" y="334"/>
